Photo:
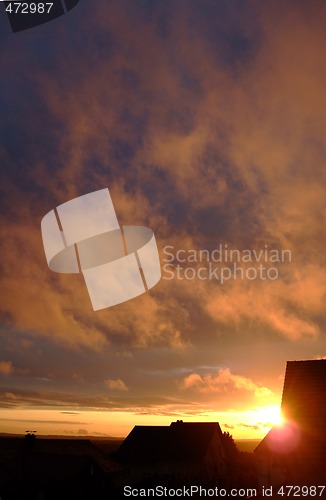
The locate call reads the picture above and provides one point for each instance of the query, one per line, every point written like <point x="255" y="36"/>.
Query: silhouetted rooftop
<point x="302" y="437"/>
<point x="304" y="393"/>
<point x="179" y="442"/>
<point x="42" y="459"/>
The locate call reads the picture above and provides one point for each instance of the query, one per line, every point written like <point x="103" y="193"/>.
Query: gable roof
<point x="179" y="442"/>
<point x="303" y="400"/>
<point x="304" y="410"/>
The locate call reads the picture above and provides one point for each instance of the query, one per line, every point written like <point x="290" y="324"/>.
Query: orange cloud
<point x="276" y="305"/>
<point x="201" y="150"/>
<point x="6" y="368"/>
<point x="116" y="385"/>
<point x="224" y="381"/>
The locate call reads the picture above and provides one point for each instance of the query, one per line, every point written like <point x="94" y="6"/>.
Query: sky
<point x="206" y="121"/>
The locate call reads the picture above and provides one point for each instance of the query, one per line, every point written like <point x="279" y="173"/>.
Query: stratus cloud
<point x="116" y="385"/>
<point x="123" y="400"/>
<point x="223" y="381"/>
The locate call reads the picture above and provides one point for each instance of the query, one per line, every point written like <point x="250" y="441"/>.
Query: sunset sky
<point x="206" y="120"/>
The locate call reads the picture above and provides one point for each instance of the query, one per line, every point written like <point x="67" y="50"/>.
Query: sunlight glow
<point x="251" y="423"/>
<point x="270" y="415"/>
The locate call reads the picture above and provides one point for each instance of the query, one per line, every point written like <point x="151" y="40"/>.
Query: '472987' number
<point x="28" y="8"/>
<point x="301" y="491"/>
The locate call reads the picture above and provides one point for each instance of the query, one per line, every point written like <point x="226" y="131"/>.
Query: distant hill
<point x="247" y="445"/>
<point x="108" y="444"/>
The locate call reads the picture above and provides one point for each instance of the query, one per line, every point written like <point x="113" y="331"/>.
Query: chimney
<point x="30" y="437"/>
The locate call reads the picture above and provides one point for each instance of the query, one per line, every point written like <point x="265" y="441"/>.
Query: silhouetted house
<point x="186" y="451"/>
<point x="54" y="468"/>
<point x="294" y="453"/>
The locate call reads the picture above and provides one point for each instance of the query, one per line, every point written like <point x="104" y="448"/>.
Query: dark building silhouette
<point x="294" y="453"/>
<point x="39" y="468"/>
<point x="179" y="452"/>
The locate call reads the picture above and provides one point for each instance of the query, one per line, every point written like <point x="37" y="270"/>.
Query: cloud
<point x="48" y="421"/>
<point x="116" y="385"/>
<point x="287" y="306"/>
<point x="82" y="432"/>
<point x="221" y="141"/>
<point x="223" y="382"/>
<point x="6" y="368"/>
<point x="155" y="404"/>
<point x="196" y="161"/>
<point x="255" y="427"/>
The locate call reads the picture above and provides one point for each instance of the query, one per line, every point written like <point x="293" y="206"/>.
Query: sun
<point x="270" y="415"/>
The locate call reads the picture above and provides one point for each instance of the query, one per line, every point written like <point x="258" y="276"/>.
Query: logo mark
<point x="118" y="263"/>
<point x="28" y="14"/>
